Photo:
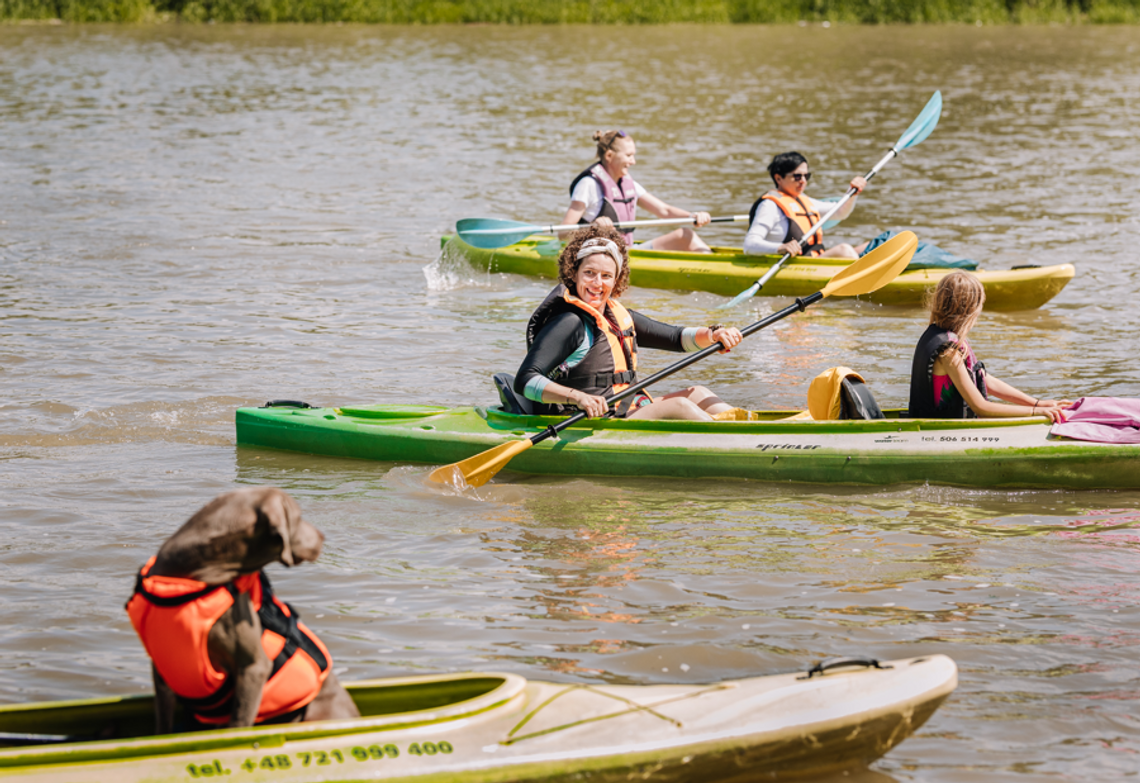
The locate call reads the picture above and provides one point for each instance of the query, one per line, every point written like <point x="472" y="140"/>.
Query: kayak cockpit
<point x="110" y="721"/>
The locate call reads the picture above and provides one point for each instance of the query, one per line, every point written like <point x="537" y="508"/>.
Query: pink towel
<point x="1102" y="420"/>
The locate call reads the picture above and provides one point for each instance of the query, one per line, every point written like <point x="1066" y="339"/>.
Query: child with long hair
<point x="947" y="381"/>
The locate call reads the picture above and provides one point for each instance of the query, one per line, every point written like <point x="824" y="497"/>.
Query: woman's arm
<point x="654" y="334"/>
<point x="1004" y="391"/>
<point x="756" y="242"/>
<point x="954" y="364"/>
<point x="663" y="210"/>
<point x="572" y="216"/>
<point x="558" y="341"/>
<point x="557" y="394"/>
<point x="823" y="206"/>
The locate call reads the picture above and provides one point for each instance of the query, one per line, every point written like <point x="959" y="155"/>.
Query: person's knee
<point x="685" y="408"/>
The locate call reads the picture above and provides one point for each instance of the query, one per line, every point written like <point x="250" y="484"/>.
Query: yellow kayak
<point x="727" y="271"/>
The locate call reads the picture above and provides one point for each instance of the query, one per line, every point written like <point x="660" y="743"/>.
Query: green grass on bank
<point x="577" y="11"/>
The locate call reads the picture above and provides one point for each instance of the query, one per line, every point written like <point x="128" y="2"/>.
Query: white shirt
<point x="770" y="226"/>
<point x="587" y="192"/>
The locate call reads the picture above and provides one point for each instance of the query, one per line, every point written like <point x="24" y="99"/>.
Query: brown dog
<point x="205" y="589"/>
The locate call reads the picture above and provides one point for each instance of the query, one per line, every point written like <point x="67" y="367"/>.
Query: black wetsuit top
<point x="565" y="332"/>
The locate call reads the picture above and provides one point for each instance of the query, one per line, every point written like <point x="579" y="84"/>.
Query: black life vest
<point x="800" y="217"/>
<point x="934" y="341"/>
<point x="611" y="363"/>
<point x="619" y="199"/>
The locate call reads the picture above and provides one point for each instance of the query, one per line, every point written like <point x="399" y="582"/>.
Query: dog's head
<point x="237" y="533"/>
<point x="279" y="532"/>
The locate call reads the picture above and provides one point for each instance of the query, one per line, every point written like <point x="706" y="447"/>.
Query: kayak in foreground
<point x="491" y="727"/>
<point x="727" y="271"/>
<point x="956" y="452"/>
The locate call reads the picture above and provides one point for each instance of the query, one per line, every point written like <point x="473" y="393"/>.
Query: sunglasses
<point x="800" y="177"/>
<point x="619" y="135"/>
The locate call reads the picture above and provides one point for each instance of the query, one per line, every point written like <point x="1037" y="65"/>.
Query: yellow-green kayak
<point x="495" y="728"/>
<point x="727" y="271"/>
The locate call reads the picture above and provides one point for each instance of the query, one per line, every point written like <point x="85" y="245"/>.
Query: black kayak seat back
<point x="516" y="403"/>
<point x="857" y="402"/>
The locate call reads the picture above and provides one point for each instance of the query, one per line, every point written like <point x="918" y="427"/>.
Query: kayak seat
<point x="511" y="402"/>
<point x="856" y="400"/>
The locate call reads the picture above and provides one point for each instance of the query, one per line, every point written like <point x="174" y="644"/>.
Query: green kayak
<point x="727" y="271"/>
<point x="494" y="728"/>
<point x="963" y="452"/>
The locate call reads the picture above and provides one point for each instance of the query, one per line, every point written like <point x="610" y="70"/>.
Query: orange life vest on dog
<point x="173" y="617"/>
<point x="800" y="216"/>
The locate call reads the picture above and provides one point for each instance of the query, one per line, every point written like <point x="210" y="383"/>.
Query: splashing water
<point x="451" y="270"/>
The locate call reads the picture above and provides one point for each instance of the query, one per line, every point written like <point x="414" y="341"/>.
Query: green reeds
<point x="579" y="11"/>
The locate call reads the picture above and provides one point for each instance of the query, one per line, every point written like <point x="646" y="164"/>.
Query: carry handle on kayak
<point x="287" y="404"/>
<point x="840" y="663"/>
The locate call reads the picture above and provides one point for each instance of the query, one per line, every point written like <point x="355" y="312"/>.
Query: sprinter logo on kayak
<point x="787" y="446"/>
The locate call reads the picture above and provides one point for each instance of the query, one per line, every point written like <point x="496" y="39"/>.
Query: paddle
<point x="923" y="124"/>
<point x="869" y="273"/>
<point x="492" y="233"/>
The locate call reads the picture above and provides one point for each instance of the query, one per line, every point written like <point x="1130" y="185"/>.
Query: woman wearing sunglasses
<point x="605" y="194"/>
<point x="780" y="218"/>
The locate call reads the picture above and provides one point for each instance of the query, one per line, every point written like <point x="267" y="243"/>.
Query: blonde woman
<point x="605" y="193"/>
<point x="947" y="381"/>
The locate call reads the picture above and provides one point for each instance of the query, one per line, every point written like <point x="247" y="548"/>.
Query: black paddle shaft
<point x="800" y="305"/>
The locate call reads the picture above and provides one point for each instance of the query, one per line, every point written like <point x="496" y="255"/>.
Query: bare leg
<point x="675" y="408"/>
<point x="704" y="399"/>
<point x="684" y="240"/>
<point x="695" y="403"/>
<point x="843" y="250"/>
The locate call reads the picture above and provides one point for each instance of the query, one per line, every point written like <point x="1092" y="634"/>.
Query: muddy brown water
<point x="198" y="218"/>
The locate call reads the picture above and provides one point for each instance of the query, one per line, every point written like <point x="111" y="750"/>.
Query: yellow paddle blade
<point x="478" y="470"/>
<point x="876" y="269"/>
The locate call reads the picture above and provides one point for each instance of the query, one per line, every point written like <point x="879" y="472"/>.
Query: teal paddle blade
<point x="548" y="249"/>
<point x="923" y="124"/>
<point x="493" y="233"/>
<point x="743" y="296"/>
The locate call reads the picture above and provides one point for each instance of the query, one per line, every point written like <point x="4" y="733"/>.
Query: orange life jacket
<point x="622" y="344"/>
<point x="800" y="216"/>
<point x="173" y="617"/>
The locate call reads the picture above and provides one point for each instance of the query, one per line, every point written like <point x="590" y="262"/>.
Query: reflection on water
<point x="197" y="218"/>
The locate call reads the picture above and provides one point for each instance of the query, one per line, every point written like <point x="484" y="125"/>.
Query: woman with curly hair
<point x="583" y="343"/>
<point x="605" y="193"/>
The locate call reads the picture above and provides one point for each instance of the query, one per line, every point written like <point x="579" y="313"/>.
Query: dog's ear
<point x="273" y="510"/>
<point x="300" y="541"/>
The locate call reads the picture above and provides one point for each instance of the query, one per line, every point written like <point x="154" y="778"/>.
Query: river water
<point x="198" y="218"/>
